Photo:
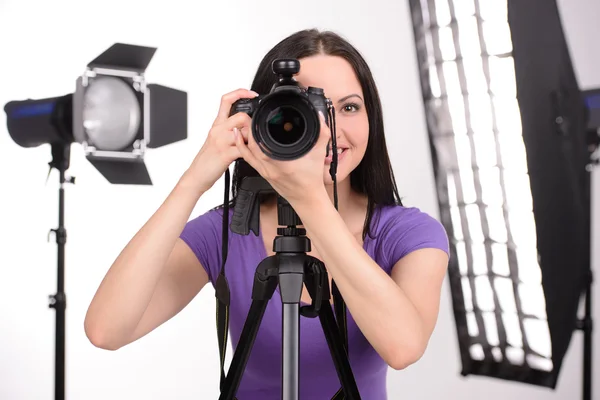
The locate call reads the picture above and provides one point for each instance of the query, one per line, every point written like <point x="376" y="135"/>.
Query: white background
<point x="45" y="45"/>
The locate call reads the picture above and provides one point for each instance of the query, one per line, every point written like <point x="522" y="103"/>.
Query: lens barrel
<point x="286" y="125"/>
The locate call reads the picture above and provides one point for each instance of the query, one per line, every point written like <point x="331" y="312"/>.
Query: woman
<point x="388" y="261"/>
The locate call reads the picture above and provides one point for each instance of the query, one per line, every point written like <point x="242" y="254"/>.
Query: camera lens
<point x="285" y="125"/>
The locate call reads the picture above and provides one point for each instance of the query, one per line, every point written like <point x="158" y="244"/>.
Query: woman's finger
<point x="255" y="148"/>
<point x="238" y="120"/>
<point x="245" y="131"/>
<point x="227" y="102"/>
<point x="245" y="152"/>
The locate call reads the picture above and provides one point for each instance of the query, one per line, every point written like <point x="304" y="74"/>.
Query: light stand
<point x="60" y="161"/>
<point x="116" y="115"/>
<point x="585" y="324"/>
<point x="289" y="268"/>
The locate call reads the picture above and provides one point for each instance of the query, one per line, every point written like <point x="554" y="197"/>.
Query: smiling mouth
<point x="341" y="151"/>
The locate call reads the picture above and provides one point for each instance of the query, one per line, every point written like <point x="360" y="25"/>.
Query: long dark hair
<point x="373" y="176"/>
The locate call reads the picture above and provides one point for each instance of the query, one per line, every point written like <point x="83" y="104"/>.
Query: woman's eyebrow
<point x="349" y="97"/>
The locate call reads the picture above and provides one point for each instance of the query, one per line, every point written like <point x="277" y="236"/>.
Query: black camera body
<point x="285" y="122"/>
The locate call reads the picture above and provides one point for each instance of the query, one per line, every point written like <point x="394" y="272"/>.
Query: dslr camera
<point x="285" y="122"/>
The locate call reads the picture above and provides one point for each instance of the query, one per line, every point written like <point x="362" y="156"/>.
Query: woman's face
<point x="337" y="78"/>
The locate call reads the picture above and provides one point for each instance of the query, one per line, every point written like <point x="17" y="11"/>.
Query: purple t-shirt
<point x="397" y="231"/>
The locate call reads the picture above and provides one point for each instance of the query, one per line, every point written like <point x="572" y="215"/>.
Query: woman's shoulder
<point x="400" y="230"/>
<point x="403" y="216"/>
<point x="204" y="235"/>
<point x="208" y="222"/>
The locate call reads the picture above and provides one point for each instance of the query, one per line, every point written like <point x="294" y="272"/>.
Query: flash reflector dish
<point x="111" y="113"/>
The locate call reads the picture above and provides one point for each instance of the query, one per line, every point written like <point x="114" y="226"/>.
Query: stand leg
<point x="586" y="326"/>
<point x="265" y="282"/>
<point x="60" y="299"/>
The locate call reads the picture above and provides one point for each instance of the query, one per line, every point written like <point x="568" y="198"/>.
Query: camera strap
<point x="338" y="301"/>
<point x="222" y="292"/>
<point x="222" y="288"/>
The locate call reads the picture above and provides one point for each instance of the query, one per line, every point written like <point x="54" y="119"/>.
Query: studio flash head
<point x="115" y="114"/>
<point x="285" y="122"/>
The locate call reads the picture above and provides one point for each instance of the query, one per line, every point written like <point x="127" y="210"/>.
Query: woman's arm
<point x="157" y="274"/>
<point x="396" y="314"/>
<point x="152" y="279"/>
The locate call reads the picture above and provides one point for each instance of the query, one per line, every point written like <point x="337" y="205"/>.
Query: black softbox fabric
<point x="554" y="131"/>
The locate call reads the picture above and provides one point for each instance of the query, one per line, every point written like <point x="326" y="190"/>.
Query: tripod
<point x="290" y="268"/>
<point x="60" y="161"/>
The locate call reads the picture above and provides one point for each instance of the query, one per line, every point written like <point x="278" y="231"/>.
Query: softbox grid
<point x="470" y="94"/>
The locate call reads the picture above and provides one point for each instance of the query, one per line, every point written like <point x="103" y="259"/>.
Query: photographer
<point x="387" y="260"/>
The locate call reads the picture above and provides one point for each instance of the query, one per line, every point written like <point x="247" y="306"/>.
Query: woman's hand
<point x="296" y="180"/>
<point x="219" y="149"/>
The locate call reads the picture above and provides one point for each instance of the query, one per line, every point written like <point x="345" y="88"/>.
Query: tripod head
<point x="290" y="240"/>
<point x="246" y="215"/>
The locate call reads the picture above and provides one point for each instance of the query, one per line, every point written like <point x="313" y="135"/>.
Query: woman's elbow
<point x="401" y="357"/>
<point x="401" y="362"/>
<point x="98" y="336"/>
<point x="100" y="342"/>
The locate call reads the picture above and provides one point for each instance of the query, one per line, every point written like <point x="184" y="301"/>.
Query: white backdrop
<point x="206" y="50"/>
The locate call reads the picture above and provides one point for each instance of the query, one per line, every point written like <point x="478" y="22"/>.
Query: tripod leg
<point x="317" y="284"/>
<point x="338" y="353"/>
<point x="265" y="282"/>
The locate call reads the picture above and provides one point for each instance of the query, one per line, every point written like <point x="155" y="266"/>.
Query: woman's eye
<point x="350" y="108"/>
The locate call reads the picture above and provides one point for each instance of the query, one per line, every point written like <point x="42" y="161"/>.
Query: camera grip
<point x="246" y="214"/>
<point x="321" y="103"/>
<point x="244" y="105"/>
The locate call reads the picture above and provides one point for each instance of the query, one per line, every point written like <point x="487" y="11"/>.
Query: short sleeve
<point x="409" y="229"/>
<point x="203" y="235"/>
